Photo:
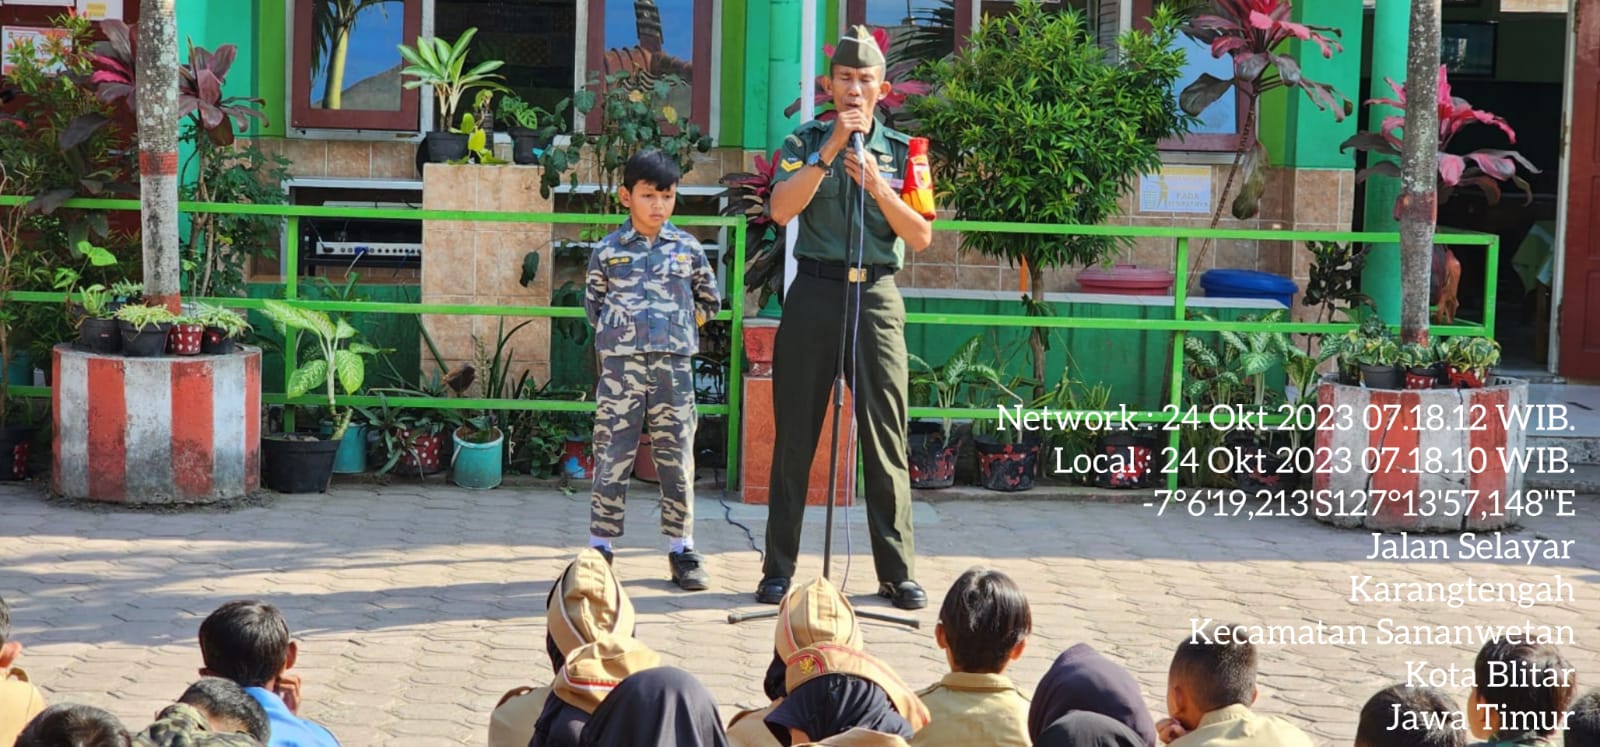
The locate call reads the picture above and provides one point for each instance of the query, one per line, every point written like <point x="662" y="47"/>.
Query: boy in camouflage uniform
<point x="649" y="289"/>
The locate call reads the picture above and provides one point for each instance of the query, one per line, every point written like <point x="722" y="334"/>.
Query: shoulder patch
<point x="795" y="138"/>
<point x="897" y="136"/>
<point x="790" y="165"/>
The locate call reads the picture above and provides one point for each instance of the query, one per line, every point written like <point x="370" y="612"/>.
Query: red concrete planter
<point x="1415" y="451"/>
<point x="155" y="430"/>
<point x="760" y="336"/>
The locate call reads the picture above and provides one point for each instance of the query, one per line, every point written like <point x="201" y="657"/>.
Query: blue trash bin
<point x="1249" y="284"/>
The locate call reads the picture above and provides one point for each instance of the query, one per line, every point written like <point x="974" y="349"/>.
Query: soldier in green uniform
<point x="821" y="179"/>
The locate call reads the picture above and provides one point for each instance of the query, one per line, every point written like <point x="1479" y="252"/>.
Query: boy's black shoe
<point x="772" y="590"/>
<point x="688" y="570"/>
<point x="906" y="595"/>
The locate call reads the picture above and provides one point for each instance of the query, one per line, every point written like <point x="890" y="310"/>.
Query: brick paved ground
<point x="417" y="606"/>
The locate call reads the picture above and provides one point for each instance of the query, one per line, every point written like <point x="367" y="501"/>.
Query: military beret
<point x="857" y="48"/>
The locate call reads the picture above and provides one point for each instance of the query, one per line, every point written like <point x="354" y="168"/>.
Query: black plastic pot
<point x="523" y="144"/>
<point x="932" y="456"/>
<point x="441" y="147"/>
<point x="1127" y="457"/>
<point x="1383" y="377"/>
<point x="16" y="445"/>
<point x="1258" y="463"/>
<point x="297" y="463"/>
<point x="143" y="342"/>
<point x="1007" y="467"/>
<point x="215" y="341"/>
<point x="100" y="336"/>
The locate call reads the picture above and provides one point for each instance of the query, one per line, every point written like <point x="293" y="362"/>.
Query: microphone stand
<point x="852" y="314"/>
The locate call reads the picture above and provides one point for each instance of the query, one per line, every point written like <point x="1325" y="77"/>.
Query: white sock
<point x="603" y="543"/>
<point x="682" y="544"/>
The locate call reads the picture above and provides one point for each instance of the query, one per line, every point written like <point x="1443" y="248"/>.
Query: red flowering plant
<point x="901" y="86"/>
<point x="200" y="83"/>
<point x="1482" y="169"/>
<point x="748" y="194"/>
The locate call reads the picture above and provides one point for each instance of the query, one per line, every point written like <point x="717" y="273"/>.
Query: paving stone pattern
<point x="417" y="605"/>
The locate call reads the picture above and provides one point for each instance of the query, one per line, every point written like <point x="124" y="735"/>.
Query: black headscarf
<point x="834" y="704"/>
<point x="559" y="725"/>
<point x="774" y="683"/>
<point x="661" y="707"/>
<point x="1087" y="729"/>
<point x="1081" y="679"/>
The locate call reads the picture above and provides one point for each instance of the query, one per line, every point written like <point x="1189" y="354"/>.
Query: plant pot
<point x="575" y="463"/>
<point x="1007" y="467"/>
<point x="932" y="456"/>
<point x="644" y="460"/>
<point x="16" y="446"/>
<point x="1421" y="377"/>
<point x="351" y="459"/>
<point x="19" y="369"/>
<point x="423" y="456"/>
<point x="1383" y="377"/>
<point x="1461" y="378"/>
<point x="297" y="463"/>
<point x="100" y="336"/>
<point x="1258" y="463"/>
<point x="524" y="143"/>
<point x="184" y="339"/>
<point x="1350" y="375"/>
<point x="478" y="464"/>
<point x="441" y="147"/>
<point x="143" y="342"/>
<point x="1126" y="458"/>
<point x="215" y="341"/>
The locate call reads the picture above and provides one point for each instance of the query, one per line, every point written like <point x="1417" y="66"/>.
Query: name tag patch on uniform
<point x="614" y="261"/>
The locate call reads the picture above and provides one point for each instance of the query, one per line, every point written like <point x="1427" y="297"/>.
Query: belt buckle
<point x="858" y="275"/>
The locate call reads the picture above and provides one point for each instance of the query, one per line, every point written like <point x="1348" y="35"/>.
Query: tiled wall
<point x="480" y="263"/>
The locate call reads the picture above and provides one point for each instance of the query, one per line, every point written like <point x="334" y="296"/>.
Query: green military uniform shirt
<point x="828" y="225"/>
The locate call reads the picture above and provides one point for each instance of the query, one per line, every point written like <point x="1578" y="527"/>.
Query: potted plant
<point x="932" y="444"/>
<point x="144" y="329"/>
<point x="124" y="292"/>
<point x="293" y="463"/>
<point x="1379" y="358"/>
<point x="1231" y="373"/>
<point x="480" y="449"/>
<point x="995" y="139"/>
<point x="1420" y="362"/>
<point x="1006" y="462"/>
<point x="1469" y="360"/>
<point x="185" y="336"/>
<point x="532" y="131"/>
<point x="97" y="330"/>
<point x="442" y="66"/>
<point x="223" y="329"/>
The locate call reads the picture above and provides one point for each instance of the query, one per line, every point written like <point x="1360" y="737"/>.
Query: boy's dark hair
<point x="1583" y="721"/>
<point x="5" y="621"/>
<point x="557" y="659"/>
<point x="72" y="725"/>
<point x="1217" y="666"/>
<point x="1525" y="662"/>
<point x="1378" y="714"/>
<point x="246" y="641"/>
<point x="652" y="167"/>
<point x="984" y="616"/>
<point x="225" y="699"/>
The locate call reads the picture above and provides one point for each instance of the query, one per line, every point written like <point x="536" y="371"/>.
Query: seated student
<point x="859" y="737"/>
<point x="76" y="726"/>
<point x="811" y="613"/>
<point x="1405" y="716"/>
<point x="1521" y="693"/>
<point x="585" y="602"/>
<point x="248" y="641"/>
<point x="1088" y="729"/>
<point x="661" y="707"/>
<point x="20" y="701"/>
<point x="1583" y="722"/>
<point x="983" y="627"/>
<point x="1083" y="679"/>
<point x="592" y="671"/>
<point x="833" y="689"/>
<point x="213" y="711"/>
<point x="1210" y="688"/>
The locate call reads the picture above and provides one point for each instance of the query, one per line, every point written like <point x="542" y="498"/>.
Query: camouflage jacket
<point x="646" y="296"/>
<point x="181" y="725"/>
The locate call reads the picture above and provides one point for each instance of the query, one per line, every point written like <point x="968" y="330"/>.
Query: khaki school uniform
<point x="20" y="701"/>
<point x="1238" y="726"/>
<point x="971" y="709"/>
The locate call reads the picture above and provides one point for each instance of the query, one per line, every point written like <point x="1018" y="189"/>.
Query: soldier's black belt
<point x="843" y="273"/>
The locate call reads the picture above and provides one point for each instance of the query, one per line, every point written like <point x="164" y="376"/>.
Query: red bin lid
<point x="1128" y="276"/>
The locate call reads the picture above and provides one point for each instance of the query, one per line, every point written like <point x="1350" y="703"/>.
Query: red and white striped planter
<point x="156" y="430"/>
<point x="1394" y="474"/>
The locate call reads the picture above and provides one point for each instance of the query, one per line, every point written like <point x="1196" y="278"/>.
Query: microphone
<point x="858" y="146"/>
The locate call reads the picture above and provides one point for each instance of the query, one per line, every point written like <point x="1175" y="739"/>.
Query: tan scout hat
<point x="857" y="48"/>
<point x="812" y="613"/>
<point x="831" y="658"/>
<point x="594" y="669"/>
<point x="587" y="602"/>
<point x="859" y="737"/>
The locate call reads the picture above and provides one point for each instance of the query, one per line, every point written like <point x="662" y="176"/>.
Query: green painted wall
<point x="1312" y="135"/>
<point x="730" y="125"/>
<point x="271" y="55"/>
<point x="1389" y="40"/>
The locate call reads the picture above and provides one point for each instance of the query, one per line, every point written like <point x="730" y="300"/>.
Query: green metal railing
<point x="1179" y="324"/>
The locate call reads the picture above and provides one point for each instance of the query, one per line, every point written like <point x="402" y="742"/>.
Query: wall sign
<point x="1176" y="189"/>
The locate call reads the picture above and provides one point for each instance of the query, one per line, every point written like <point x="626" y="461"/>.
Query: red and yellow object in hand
<point x="917" y="191"/>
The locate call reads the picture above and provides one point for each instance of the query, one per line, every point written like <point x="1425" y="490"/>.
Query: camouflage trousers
<point x="654" y="389"/>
